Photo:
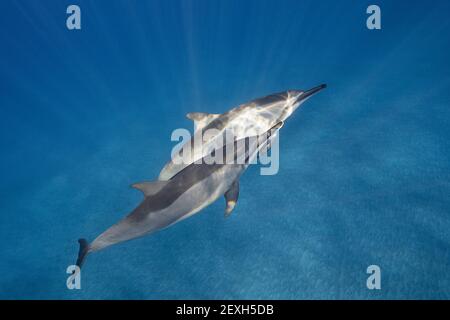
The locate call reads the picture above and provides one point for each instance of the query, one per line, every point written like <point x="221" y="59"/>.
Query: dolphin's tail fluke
<point x="82" y="252"/>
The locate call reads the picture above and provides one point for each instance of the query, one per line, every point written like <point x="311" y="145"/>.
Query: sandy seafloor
<point x="365" y="165"/>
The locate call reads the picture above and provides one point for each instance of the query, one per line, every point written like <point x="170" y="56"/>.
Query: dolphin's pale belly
<point x="195" y="198"/>
<point x="203" y="194"/>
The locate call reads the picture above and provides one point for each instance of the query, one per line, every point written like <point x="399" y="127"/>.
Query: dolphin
<point x="249" y="119"/>
<point x="189" y="191"/>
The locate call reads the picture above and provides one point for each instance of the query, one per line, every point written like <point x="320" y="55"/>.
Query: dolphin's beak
<point x="306" y="94"/>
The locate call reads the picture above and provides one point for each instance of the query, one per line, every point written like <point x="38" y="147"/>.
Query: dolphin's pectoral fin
<point x="201" y="119"/>
<point x="231" y="197"/>
<point x="149" y="188"/>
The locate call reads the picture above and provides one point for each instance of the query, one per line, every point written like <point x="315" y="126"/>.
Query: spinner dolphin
<point x="189" y="191"/>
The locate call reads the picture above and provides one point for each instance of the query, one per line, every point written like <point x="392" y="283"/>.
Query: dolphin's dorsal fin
<point x="231" y="197"/>
<point x="201" y="119"/>
<point x="149" y="188"/>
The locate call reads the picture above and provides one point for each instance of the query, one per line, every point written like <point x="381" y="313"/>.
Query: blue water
<point x="365" y="165"/>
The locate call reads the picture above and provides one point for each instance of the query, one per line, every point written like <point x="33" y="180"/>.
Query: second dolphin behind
<point x="249" y="119"/>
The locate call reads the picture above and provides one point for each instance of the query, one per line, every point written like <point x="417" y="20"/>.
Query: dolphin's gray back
<point x="178" y="185"/>
<point x="271" y="98"/>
